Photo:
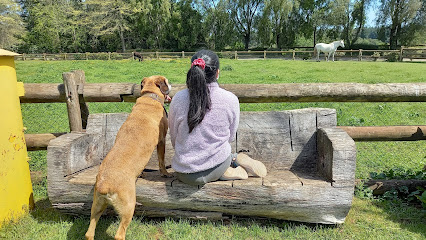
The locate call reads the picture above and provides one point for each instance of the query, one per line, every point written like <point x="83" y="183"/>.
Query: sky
<point x="371" y="17"/>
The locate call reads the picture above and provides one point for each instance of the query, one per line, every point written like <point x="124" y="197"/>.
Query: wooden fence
<point x="358" y="55"/>
<point x="75" y="93"/>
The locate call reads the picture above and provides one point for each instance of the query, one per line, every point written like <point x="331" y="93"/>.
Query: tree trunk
<point x="123" y="44"/>
<point x="247" y="40"/>
<point x="361" y="23"/>
<point x="395" y="28"/>
<point x="393" y="40"/>
<point x="278" y="40"/>
<point x="315" y="35"/>
<point x="347" y="37"/>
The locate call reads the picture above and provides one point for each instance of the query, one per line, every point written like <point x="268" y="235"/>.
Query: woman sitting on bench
<point x="203" y="120"/>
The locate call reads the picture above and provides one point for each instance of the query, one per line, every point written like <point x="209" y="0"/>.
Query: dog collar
<point x="157" y="98"/>
<point x="153" y="96"/>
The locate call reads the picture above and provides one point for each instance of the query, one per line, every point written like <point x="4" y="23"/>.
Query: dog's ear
<point x="143" y="82"/>
<point x="163" y="84"/>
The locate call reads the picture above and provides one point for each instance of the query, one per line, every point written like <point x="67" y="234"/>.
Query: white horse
<point x="327" y="49"/>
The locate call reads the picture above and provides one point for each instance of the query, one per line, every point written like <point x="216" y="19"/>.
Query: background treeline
<point x="51" y="26"/>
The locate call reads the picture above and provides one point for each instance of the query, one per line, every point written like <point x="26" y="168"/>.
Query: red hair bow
<point x="199" y="62"/>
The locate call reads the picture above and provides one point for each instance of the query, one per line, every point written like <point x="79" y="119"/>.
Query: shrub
<point x="99" y="56"/>
<point x="227" y="55"/>
<point x="391" y="57"/>
<point x="79" y="56"/>
<point x="227" y="68"/>
<point x="116" y="56"/>
<point x="363" y="192"/>
<point x="376" y="55"/>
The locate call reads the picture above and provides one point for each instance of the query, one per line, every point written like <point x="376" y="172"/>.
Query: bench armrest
<point x="337" y="156"/>
<point x="73" y="152"/>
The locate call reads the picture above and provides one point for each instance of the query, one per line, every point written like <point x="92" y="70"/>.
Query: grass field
<point x="368" y="219"/>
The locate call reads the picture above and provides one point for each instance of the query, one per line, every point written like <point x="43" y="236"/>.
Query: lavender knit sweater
<point x="208" y="145"/>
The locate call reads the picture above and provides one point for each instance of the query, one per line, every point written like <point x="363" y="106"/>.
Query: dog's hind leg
<point x="161" y="151"/>
<point x="98" y="207"/>
<point x="125" y="207"/>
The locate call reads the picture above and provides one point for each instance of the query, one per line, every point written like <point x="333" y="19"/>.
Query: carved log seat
<point x="310" y="162"/>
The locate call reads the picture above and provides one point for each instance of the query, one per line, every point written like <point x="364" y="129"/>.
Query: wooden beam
<point x="247" y="93"/>
<point x="40" y="141"/>
<point x="43" y="93"/>
<point x="380" y="186"/>
<point x="386" y="133"/>
<point x="328" y="92"/>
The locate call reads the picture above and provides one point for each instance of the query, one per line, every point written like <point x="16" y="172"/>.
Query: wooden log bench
<point x="310" y="162"/>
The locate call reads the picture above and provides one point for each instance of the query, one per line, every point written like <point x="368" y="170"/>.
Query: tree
<point x="356" y="19"/>
<point x="243" y="13"/>
<point x="152" y="22"/>
<point x="218" y="26"/>
<point x="415" y="32"/>
<point x="11" y="24"/>
<point x="111" y="16"/>
<point x="45" y="21"/>
<point x="347" y="18"/>
<point x="312" y="17"/>
<point x="397" y="15"/>
<point x="76" y="29"/>
<point x="277" y="19"/>
<point x="184" y="31"/>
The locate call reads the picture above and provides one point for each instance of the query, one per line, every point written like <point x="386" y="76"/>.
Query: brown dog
<point x="144" y="129"/>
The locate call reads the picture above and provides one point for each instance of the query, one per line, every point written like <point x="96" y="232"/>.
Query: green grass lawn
<point x="368" y="219"/>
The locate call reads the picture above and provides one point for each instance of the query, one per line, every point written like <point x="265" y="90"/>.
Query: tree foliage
<point x="120" y="25"/>
<point x="11" y="24"/>
<point x="243" y="14"/>
<point x="107" y="17"/>
<point x="218" y="26"/>
<point x="397" y="16"/>
<point x="277" y="25"/>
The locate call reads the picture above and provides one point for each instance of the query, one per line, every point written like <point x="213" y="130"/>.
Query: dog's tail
<point x="101" y="189"/>
<point x="100" y="186"/>
<point x="104" y="192"/>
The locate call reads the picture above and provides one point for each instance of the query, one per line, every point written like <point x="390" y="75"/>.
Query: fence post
<point x="236" y="57"/>
<point x="294" y="53"/>
<point x="65" y="56"/>
<point x="400" y="54"/>
<point x="183" y="54"/>
<point x="351" y="54"/>
<point x="80" y="80"/>
<point x="156" y="54"/>
<point x="360" y="55"/>
<point x="87" y="56"/>
<point x="264" y="54"/>
<point x="23" y="56"/>
<point x="44" y="56"/>
<point x="73" y="103"/>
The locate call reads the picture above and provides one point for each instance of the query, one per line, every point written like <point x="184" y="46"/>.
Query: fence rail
<point x="247" y="93"/>
<point x="75" y="92"/>
<point x="359" y="55"/>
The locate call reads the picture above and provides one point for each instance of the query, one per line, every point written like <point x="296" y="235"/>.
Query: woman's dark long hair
<point x="196" y="82"/>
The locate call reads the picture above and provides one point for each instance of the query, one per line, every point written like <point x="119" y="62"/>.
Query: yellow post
<point x="16" y="193"/>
